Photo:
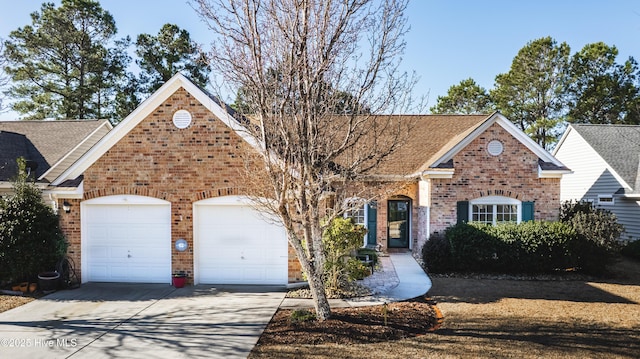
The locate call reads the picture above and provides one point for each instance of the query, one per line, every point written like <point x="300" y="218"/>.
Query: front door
<point x="398" y="217"/>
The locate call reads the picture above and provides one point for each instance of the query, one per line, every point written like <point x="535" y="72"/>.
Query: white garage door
<point x="127" y="240"/>
<point x="236" y="245"/>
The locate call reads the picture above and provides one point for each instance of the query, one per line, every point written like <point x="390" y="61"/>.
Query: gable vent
<point x="181" y="119"/>
<point x="495" y="148"/>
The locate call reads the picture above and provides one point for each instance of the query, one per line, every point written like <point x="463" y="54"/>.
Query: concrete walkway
<point x="400" y="278"/>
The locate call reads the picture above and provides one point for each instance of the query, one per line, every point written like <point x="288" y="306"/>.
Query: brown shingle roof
<point x="48" y="142"/>
<point x="431" y="136"/>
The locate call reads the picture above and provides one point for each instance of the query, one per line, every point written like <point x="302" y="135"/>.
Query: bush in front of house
<point x="585" y="238"/>
<point x="534" y="247"/>
<point x="436" y="254"/>
<point x="473" y="247"/>
<point x="632" y="250"/>
<point x="528" y="247"/>
<point x="31" y="240"/>
<point x="341" y="239"/>
<point x="598" y="235"/>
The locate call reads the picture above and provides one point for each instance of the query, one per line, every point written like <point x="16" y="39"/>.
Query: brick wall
<point x="70" y="226"/>
<point x="181" y="166"/>
<point x="512" y="174"/>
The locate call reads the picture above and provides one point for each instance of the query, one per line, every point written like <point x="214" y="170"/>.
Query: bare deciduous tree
<point x="295" y="60"/>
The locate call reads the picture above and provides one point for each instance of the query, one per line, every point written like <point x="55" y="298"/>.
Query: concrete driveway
<point x="101" y="320"/>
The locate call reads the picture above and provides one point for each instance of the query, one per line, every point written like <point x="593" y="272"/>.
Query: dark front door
<point x="398" y="217"/>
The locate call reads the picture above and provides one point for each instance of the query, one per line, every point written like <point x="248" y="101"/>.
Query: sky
<point x="449" y="40"/>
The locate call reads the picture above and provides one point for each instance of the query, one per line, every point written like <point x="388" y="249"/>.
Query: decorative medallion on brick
<point x="495" y="148"/>
<point x="182" y="119"/>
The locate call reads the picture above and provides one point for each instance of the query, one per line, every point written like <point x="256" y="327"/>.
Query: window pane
<point x="506" y="213"/>
<point x="482" y="213"/>
<point x="357" y="215"/>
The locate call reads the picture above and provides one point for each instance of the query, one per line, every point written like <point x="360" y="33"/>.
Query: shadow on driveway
<point x="141" y="321"/>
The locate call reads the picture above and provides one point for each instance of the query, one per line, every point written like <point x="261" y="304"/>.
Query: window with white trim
<point x="357" y="212"/>
<point x="495" y="210"/>
<point x="606" y="200"/>
<point x="358" y="215"/>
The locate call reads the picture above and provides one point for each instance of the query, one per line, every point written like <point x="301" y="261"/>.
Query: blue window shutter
<point x="372" y="224"/>
<point x="463" y="211"/>
<point x="527" y="211"/>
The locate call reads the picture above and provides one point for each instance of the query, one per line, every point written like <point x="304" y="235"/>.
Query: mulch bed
<point x="11" y="301"/>
<point x="355" y="325"/>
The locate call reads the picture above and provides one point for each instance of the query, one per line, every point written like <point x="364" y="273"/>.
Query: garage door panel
<point x="98" y="253"/>
<point x="237" y="246"/>
<point x="128" y="243"/>
<point x="119" y="273"/>
<point x="99" y="271"/>
<point x="100" y="232"/>
<point x="118" y="254"/>
<point x="145" y="255"/>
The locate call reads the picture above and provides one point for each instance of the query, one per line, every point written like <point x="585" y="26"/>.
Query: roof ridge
<point x="603" y="125"/>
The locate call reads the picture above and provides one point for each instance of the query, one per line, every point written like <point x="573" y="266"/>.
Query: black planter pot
<point x="49" y="281"/>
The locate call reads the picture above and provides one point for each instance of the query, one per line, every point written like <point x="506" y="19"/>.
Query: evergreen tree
<point x="533" y="92"/>
<point x="603" y="91"/>
<point x="465" y="98"/>
<point x="31" y="240"/>
<point x="171" y="51"/>
<point x="60" y="65"/>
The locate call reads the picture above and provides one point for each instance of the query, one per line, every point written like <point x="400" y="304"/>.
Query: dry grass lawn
<point x="512" y="319"/>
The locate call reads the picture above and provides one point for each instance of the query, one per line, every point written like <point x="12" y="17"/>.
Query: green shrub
<point x="528" y="247"/>
<point x="31" y="240"/>
<point x="632" y="250"/>
<point x="598" y="235"/>
<point x="568" y="209"/>
<point x="436" y="254"/>
<point x="473" y="247"/>
<point x="341" y="239"/>
<point x="356" y="270"/>
<point x="302" y="315"/>
<point x="534" y="247"/>
<point x="373" y="255"/>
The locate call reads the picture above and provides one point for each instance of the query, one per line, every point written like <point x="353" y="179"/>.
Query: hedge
<point x="529" y="247"/>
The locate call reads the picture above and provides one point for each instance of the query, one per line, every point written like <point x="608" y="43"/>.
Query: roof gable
<point x="549" y="166"/>
<point x="618" y="145"/>
<point x="221" y="111"/>
<point x="454" y="147"/>
<point x="434" y="140"/>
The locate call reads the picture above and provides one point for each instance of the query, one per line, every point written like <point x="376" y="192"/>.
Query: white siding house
<point x="604" y="160"/>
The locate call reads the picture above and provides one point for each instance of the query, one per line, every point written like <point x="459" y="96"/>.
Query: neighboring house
<point x="49" y="147"/>
<point x="167" y="175"/>
<point x="604" y="159"/>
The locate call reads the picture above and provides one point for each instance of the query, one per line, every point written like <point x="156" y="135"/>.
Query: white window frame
<point x="363" y="207"/>
<point x="496" y="201"/>
<point x="609" y="200"/>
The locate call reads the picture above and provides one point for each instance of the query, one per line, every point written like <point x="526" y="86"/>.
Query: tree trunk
<point x="320" y="303"/>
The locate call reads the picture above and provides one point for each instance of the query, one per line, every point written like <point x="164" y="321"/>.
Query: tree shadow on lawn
<point x="524" y="336"/>
<point x="478" y="291"/>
